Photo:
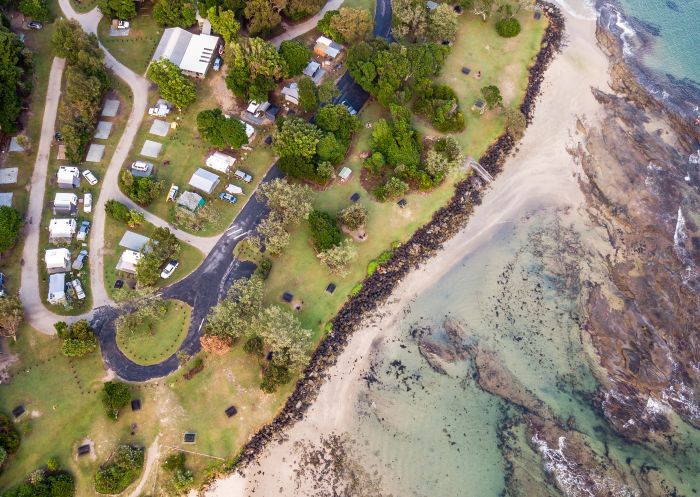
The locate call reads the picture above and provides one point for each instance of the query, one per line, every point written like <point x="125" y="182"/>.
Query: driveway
<point x="299" y="29"/>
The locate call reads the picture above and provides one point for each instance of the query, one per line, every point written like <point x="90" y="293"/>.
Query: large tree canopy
<point x="224" y="23"/>
<point x="296" y="56"/>
<point x="353" y="25"/>
<point x="173" y="85"/>
<point x="117" y="9"/>
<point x="174" y="13"/>
<point x="221" y="131"/>
<point x="255" y="66"/>
<point x="36" y="9"/>
<point x="10" y="223"/>
<point x="263" y="15"/>
<point x="15" y="63"/>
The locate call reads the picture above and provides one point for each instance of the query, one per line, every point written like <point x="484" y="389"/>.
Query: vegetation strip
<point x="424" y="244"/>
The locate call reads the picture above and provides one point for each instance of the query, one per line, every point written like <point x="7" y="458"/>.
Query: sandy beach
<point x="541" y="174"/>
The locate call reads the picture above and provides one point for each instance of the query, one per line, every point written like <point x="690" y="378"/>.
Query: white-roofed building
<point x="204" y="180"/>
<point x="62" y="229"/>
<point x="68" y="177"/>
<point x="57" y="288"/>
<point x="192" y="53"/>
<point x="220" y="162"/>
<point x="326" y="47"/>
<point x="65" y="204"/>
<point x="128" y="260"/>
<point x="57" y="260"/>
<point x="133" y="241"/>
<point x="291" y="93"/>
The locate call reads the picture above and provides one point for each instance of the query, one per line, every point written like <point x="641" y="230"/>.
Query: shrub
<point x="274" y="376"/>
<point x="122" y="469"/>
<point x="353" y="217"/>
<point x="220" y="131"/>
<point x="10" y="223"/>
<point x="395" y="188"/>
<point x="117" y="210"/>
<point x="374" y="163"/>
<point x="325" y="232"/>
<point x="78" y="339"/>
<point x="508" y="28"/>
<point x="9" y="436"/>
<point x="41" y="483"/>
<point x="264" y="268"/>
<point x="115" y="395"/>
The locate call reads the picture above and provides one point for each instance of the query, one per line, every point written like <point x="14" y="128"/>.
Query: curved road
<point x="204" y="287"/>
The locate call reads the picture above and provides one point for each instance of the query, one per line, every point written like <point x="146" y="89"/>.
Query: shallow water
<point x="429" y="434"/>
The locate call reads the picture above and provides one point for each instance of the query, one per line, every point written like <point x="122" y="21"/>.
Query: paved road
<point x="202" y="289"/>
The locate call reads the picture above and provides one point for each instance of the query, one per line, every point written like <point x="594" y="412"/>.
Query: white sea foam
<point x="580" y="9"/>
<point x="679" y="235"/>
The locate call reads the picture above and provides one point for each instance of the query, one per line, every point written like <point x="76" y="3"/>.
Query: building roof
<point x="59" y="257"/>
<point x="431" y="5"/>
<point x="57" y="287"/>
<point x="204" y="180"/>
<point x="133" y="241"/>
<point x="68" y="173"/>
<point x="190" y="200"/>
<point x="65" y="198"/>
<point x="322" y="40"/>
<point x="311" y="68"/>
<point x="190" y="52"/>
<point x="127" y="261"/>
<point x="62" y="227"/>
<point x="345" y="173"/>
<point x="254" y="106"/>
<point x="291" y="92"/>
<point x="220" y="162"/>
<point x="249" y="129"/>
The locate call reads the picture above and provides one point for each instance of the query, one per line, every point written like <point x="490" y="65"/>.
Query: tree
<point x="117" y="9"/>
<point x="325" y="171"/>
<point x="255" y="66"/>
<point x="436" y="164"/>
<point x="336" y="259"/>
<point x="15" y="65"/>
<point x="77" y="339"/>
<point x="274" y="234"/>
<point x="515" y="122"/>
<point x="440" y="104"/>
<point x="291" y="202"/>
<point x="353" y="217"/>
<point x="162" y="246"/>
<point x="122" y="469"/>
<point x="230" y="319"/>
<point x="324" y="230"/>
<point x="396" y="140"/>
<point x="11" y="315"/>
<point x="141" y="190"/>
<point x="296" y="9"/>
<point x="324" y="26"/>
<point x="308" y="94"/>
<point x="329" y="149"/>
<point x="224" y="23"/>
<point x="410" y="19"/>
<point x="263" y="16"/>
<point x="296" y="56"/>
<point x="484" y="8"/>
<point x="395" y="188"/>
<point x="295" y="142"/>
<point x="327" y="91"/>
<point x="353" y="25"/>
<point x="9" y="436"/>
<point x="10" y="224"/>
<point x="508" y="27"/>
<point x="115" y="395"/>
<point x="36" y="9"/>
<point x="173" y="85"/>
<point x="220" y="131"/>
<point x="178" y="13"/>
<point x="116" y="210"/>
<point x="338" y="120"/>
<point x="492" y="96"/>
<point x="283" y="334"/>
<point x="72" y="43"/>
<point x="442" y="23"/>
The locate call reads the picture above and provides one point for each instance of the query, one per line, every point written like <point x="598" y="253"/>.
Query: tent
<point x="65" y="204"/>
<point x="204" y="180"/>
<point x="62" y="228"/>
<point x="57" y="259"/>
<point x="57" y="288"/>
<point x="220" y="162"/>
<point x="190" y="201"/>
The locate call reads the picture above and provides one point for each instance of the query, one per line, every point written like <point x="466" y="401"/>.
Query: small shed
<point x="220" y="162"/>
<point x="57" y="288"/>
<point x="345" y="173"/>
<point x="291" y="93"/>
<point x="65" y="204"/>
<point x="204" y="180"/>
<point x="133" y="241"/>
<point x="68" y="177"/>
<point x="62" y="229"/>
<point x="57" y="260"/>
<point x="127" y="262"/>
<point x="190" y="201"/>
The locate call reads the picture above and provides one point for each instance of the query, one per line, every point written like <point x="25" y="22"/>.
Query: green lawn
<point x="121" y="92"/>
<point x="134" y="51"/>
<point x="504" y="62"/>
<point x="360" y="4"/>
<point x="189" y="257"/>
<point x="157" y="339"/>
<point x="184" y="152"/>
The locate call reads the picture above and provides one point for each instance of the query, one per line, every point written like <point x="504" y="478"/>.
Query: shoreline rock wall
<point x="424" y="243"/>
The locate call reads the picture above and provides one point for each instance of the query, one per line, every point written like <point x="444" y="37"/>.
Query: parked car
<point x="58" y="136"/>
<point x="228" y="197"/>
<point x="87" y="202"/>
<point x="2" y="284"/>
<point x="243" y="175"/>
<point x="217" y="63"/>
<point x="169" y="269"/>
<point x="87" y="174"/>
<point x="84" y="230"/>
<point x="159" y="110"/>
<point x="78" y="289"/>
<point x="79" y="261"/>
<point x="34" y="25"/>
<point x="123" y="24"/>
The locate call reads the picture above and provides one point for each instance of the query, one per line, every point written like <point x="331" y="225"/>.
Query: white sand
<point x="542" y="174"/>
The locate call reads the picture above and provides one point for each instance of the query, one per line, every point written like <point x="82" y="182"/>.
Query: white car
<point x="87" y="174"/>
<point x="78" y="289"/>
<point x="87" y="202"/>
<point x="169" y="269"/>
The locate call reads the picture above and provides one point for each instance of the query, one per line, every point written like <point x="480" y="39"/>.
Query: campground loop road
<point x="205" y="286"/>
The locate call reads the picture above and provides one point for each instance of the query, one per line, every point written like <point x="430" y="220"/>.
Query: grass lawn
<point x="39" y="42"/>
<point x="134" y="51"/>
<point x="157" y="339"/>
<point x="185" y="152"/>
<point x="505" y="63"/>
<point x="189" y="257"/>
<point x="121" y="92"/>
<point x="360" y="4"/>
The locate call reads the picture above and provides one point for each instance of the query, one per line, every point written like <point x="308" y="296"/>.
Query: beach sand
<point x="541" y="174"/>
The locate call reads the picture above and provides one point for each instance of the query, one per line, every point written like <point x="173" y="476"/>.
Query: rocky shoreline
<point x="423" y="245"/>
